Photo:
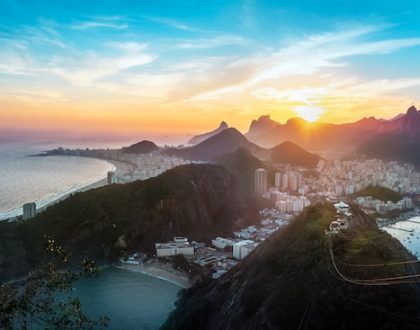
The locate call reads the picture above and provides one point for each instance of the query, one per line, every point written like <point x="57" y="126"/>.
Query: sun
<point x="310" y="114"/>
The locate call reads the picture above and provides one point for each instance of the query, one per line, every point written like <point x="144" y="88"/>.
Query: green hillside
<point x="381" y="193"/>
<point x="289" y="282"/>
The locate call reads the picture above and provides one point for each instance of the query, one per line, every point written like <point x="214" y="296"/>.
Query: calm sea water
<point x="408" y="233"/>
<point x="131" y="300"/>
<point x="41" y="179"/>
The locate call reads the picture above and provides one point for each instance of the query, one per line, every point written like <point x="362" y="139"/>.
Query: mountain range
<point x="230" y="140"/>
<point x="401" y="144"/>
<point x="316" y="136"/>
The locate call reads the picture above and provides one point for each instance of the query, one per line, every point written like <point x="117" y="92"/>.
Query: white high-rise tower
<point x="260" y="181"/>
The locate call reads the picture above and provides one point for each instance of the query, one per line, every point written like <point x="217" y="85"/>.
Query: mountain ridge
<point x="314" y="136"/>
<point x="200" y="138"/>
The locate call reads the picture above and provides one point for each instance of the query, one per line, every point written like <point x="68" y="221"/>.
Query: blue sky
<point x="233" y="60"/>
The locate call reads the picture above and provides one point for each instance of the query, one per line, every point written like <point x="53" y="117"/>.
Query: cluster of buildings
<point x="287" y="203"/>
<point x="342" y="220"/>
<point x="384" y="207"/>
<point x="340" y="178"/>
<point x="144" y="166"/>
<point x="287" y="181"/>
<point x="224" y="253"/>
<point x="288" y="192"/>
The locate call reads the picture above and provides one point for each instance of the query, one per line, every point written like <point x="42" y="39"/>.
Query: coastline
<point x="42" y="204"/>
<point x="161" y="271"/>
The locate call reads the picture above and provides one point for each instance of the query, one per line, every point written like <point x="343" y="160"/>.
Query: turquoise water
<point x="410" y="240"/>
<point x="131" y="300"/>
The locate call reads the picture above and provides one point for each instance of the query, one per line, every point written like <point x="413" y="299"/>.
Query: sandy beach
<point x="162" y="271"/>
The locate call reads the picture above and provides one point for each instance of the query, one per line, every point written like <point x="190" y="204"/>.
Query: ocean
<point x="131" y="300"/>
<point x="42" y="180"/>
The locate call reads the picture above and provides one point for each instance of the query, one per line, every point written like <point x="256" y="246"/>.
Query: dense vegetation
<point x="288" y="282"/>
<point x="381" y="193"/>
<point x="197" y="201"/>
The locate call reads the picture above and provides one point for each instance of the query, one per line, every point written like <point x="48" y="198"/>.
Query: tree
<point x="44" y="300"/>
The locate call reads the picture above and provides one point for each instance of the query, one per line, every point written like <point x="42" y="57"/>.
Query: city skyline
<point x="124" y="68"/>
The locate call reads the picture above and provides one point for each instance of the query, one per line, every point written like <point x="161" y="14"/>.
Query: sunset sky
<point x="181" y="67"/>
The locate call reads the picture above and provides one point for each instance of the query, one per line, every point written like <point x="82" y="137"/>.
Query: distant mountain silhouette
<point x="315" y="136"/>
<point x="200" y="138"/>
<point x="402" y="144"/>
<point x="290" y="153"/>
<point x="226" y="141"/>
<point x="262" y="125"/>
<point x="142" y="147"/>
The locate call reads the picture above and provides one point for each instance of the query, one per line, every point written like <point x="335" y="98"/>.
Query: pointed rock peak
<point x="223" y="125"/>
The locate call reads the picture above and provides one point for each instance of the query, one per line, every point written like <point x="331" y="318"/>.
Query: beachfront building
<point x="112" y="178"/>
<point x="29" y="211"/>
<point x="179" y="245"/>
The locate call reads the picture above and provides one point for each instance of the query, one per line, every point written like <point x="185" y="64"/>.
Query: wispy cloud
<point x="214" y="42"/>
<point x="106" y="22"/>
<point x="171" y="22"/>
<point x="308" y="56"/>
<point x="92" y="66"/>
<point x="96" y="24"/>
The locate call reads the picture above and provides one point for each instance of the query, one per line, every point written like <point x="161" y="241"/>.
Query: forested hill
<point x="197" y="201"/>
<point x="289" y="282"/>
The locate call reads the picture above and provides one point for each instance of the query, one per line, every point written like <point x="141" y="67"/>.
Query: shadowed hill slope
<point x="290" y="153"/>
<point x="227" y="141"/>
<point x="142" y="147"/>
<point x="289" y="282"/>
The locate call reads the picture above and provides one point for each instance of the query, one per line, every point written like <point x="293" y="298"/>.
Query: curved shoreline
<point x="43" y="204"/>
<point x="158" y="271"/>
